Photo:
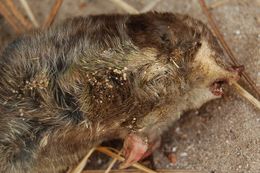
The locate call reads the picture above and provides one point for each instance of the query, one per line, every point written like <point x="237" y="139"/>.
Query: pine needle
<point x="139" y="171"/>
<point x="53" y="13"/>
<point x="120" y="158"/>
<point x="29" y="12"/>
<point x="112" y="164"/>
<point x="83" y="162"/>
<point x="9" y="18"/>
<point x="128" y="8"/>
<point x="18" y="14"/>
<point x="218" y="3"/>
<point x="150" y="6"/>
<point x="246" y="95"/>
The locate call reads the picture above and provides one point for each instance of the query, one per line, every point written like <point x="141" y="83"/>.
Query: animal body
<point x="68" y="88"/>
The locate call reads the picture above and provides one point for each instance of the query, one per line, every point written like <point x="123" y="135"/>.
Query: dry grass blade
<point x="18" y="14"/>
<point x="4" y="12"/>
<point x="53" y="13"/>
<point x="225" y="45"/>
<point x="118" y="157"/>
<point x="83" y="162"/>
<point x="125" y="6"/>
<point x="29" y="12"/>
<point x="246" y="95"/>
<point x="138" y="171"/>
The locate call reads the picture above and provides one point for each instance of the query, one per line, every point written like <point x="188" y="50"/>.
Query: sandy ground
<point x="224" y="135"/>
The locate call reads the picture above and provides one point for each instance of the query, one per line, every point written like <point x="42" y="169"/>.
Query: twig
<point x="18" y="14"/>
<point x="53" y="13"/>
<point x="9" y="18"/>
<point x="150" y="6"/>
<point x="83" y="162"/>
<point x="125" y="6"/>
<point x="246" y="95"/>
<point x="114" y="155"/>
<point x="225" y="45"/>
<point x="29" y="12"/>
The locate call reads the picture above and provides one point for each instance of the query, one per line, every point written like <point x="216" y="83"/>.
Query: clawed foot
<point x="136" y="148"/>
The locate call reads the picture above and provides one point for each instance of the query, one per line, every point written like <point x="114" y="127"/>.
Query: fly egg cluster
<point x="132" y="123"/>
<point x="104" y="84"/>
<point x="21" y="112"/>
<point x="40" y="82"/>
<point x="120" y="75"/>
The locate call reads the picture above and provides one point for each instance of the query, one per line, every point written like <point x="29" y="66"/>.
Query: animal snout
<point x="236" y="72"/>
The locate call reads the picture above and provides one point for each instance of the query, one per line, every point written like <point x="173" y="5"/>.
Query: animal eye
<point x="164" y="37"/>
<point x="198" y="44"/>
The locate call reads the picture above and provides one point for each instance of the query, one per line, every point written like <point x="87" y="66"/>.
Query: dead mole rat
<point x="90" y="79"/>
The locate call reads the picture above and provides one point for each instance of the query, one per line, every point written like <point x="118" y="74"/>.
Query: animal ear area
<point x="193" y="48"/>
<point x="166" y="36"/>
<point x="185" y="52"/>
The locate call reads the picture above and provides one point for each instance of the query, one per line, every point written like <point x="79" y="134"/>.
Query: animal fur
<point x="68" y="88"/>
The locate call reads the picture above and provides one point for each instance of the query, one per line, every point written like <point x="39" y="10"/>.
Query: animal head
<point x="188" y="61"/>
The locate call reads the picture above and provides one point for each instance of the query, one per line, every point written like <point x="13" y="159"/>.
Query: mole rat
<point x="66" y="89"/>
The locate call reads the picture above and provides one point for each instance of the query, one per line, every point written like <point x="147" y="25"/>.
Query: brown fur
<point x="90" y="79"/>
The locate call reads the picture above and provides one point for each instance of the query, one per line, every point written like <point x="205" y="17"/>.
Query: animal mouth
<point x="217" y="87"/>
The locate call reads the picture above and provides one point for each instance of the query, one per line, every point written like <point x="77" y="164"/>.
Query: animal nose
<point x="236" y="71"/>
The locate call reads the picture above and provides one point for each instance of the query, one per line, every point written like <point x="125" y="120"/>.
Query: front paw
<point x="137" y="147"/>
